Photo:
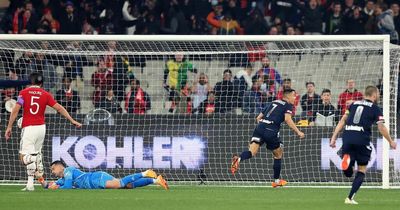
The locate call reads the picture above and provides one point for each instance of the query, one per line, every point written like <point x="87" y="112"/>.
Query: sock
<point x="245" y="155"/>
<point x="357" y="182"/>
<point x="39" y="165"/>
<point x="348" y="172"/>
<point x="143" y="182"/>
<point x="27" y="159"/>
<point x="30" y="169"/>
<point x="129" y="179"/>
<point x="277" y="168"/>
<point x="30" y="181"/>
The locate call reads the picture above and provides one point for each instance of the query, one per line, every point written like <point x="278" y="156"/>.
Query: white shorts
<point x="32" y="139"/>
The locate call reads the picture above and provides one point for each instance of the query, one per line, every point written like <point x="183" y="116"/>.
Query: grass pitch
<point x="196" y="197"/>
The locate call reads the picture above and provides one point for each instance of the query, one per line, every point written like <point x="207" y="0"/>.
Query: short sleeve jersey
<point x="361" y="116"/>
<point x="274" y="114"/>
<point x="34" y="101"/>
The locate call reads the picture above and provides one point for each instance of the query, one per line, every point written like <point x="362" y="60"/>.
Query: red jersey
<point x="347" y="96"/>
<point x="34" y="101"/>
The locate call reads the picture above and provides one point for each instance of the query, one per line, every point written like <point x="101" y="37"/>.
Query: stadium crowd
<point x="202" y="17"/>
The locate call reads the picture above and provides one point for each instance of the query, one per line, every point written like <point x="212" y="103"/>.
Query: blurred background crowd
<point x="224" y="17"/>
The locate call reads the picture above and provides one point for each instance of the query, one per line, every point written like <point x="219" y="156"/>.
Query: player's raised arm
<point x="13" y="116"/>
<point x="292" y="125"/>
<point x="385" y="133"/>
<point x="338" y="128"/>
<point x="60" y="109"/>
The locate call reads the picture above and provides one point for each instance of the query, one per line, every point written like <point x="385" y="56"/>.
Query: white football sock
<point x="28" y="159"/>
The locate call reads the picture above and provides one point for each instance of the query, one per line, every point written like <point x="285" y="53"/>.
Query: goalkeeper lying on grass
<point x="71" y="178"/>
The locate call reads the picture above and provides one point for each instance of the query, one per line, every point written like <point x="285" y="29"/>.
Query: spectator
<point x="102" y="80"/>
<point x="268" y="93"/>
<point x="348" y="8"/>
<point x="256" y="24"/>
<point x="200" y="90"/>
<point x="385" y="23"/>
<point x="215" y="16"/>
<point x="273" y="31"/>
<point x="119" y="66"/>
<point x="88" y="29"/>
<point x="40" y="64"/>
<point x="26" y="23"/>
<point x="290" y="30"/>
<point x="10" y="93"/>
<point x="232" y="7"/>
<point x="246" y="74"/>
<point x="313" y="15"/>
<point x="93" y="14"/>
<point x="109" y="22"/>
<point x="67" y="97"/>
<point x="48" y="6"/>
<point x="355" y="23"/>
<point x="22" y="64"/>
<point x="137" y="100"/>
<point x="130" y="14"/>
<point x="202" y="8"/>
<point x="176" y="22"/>
<point x="369" y="8"/>
<point x="176" y="71"/>
<point x="229" y="26"/>
<point x="278" y="24"/>
<point x="309" y="100"/>
<point x="285" y="10"/>
<point x="287" y="84"/>
<point x="252" y="99"/>
<point x="368" y="12"/>
<point x="110" y="103"/>
<point x="224" y="93"/>
<point x="396" y="16"/>
<point x="324" y="107"/>
<point x="208" y="106"/>
<point x="152" y="24"/>
<point x="334" y="20"/>
<point x="75" y="62"/>
<point x="274" y="78"/>
<point x="184" y="101"/>
<point x="70" y="22"/>
<point x="48" y="25"/>
<point x="350" y="95"/>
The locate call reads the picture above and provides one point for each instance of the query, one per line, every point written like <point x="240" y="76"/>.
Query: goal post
<point x="164" y="127"/>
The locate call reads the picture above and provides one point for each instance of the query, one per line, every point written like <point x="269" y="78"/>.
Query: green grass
<point x="195" y="197"/>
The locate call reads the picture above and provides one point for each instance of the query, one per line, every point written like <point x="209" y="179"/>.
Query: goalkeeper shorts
<point x="99" y="179"/>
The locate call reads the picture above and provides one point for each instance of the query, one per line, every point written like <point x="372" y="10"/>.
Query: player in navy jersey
<point x="357" y="122"/>
<point x="267" y="131"/>
<point x="73" y="178"/>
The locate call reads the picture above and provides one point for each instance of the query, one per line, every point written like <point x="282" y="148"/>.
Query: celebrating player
<point x="267" y="131"/>
<point x="34" y="100"/>
<point x="73" y="178"/>
<point x="357" y="122"/>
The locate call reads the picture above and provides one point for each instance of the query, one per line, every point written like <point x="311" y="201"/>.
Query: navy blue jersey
<point x="361" y="116"/>
<point x="274" y="114"/>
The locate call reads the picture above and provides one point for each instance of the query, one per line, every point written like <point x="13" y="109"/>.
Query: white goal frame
<point x="385" y="39"/>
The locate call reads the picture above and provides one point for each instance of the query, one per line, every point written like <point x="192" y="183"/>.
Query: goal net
<point x="183" y="105"/>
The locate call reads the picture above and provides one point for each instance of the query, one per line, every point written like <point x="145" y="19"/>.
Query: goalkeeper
<point x="73" y="178"/>
<point x="267" y="131"/>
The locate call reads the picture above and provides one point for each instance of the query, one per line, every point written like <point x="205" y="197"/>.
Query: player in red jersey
<point x="34" y="100"/>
